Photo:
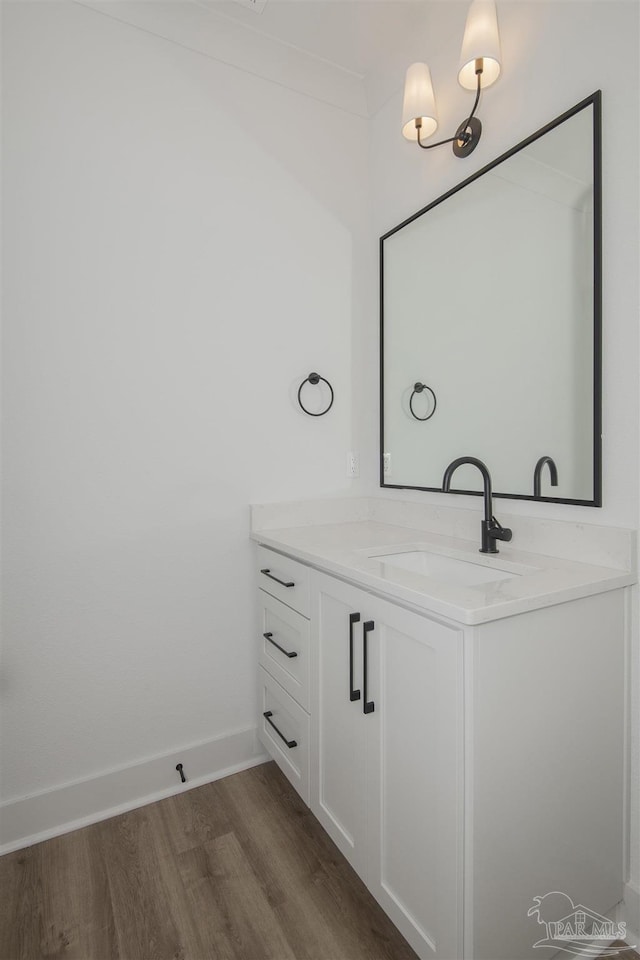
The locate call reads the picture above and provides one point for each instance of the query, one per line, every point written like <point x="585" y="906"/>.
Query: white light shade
<point x="481" y="41"/>
<point x="419" y="101"/>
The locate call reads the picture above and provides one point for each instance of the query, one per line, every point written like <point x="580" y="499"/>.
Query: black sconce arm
<point x="468" y="133"/>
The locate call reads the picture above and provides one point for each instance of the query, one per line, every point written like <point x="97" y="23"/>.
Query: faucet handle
<point x="498" y="532"/>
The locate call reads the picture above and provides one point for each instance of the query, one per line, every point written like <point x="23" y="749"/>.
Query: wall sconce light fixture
<point x="479" y="67"/>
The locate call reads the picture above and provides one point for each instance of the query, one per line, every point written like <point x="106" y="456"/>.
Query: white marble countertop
<point x="348" y="549"/>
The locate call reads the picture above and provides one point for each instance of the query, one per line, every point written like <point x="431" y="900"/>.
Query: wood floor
<point x="235" y="870"/>
<point x="626" y="954"/>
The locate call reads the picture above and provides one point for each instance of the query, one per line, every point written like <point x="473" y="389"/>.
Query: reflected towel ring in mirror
<point x="419" y="388"/>
<point x="314" y="379"/>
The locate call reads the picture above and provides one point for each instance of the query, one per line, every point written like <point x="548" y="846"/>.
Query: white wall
<point x="555" y="54"/>
<point x="179" y="255"/>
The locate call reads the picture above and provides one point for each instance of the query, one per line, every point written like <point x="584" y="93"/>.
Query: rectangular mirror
<point x="491" y="324"/>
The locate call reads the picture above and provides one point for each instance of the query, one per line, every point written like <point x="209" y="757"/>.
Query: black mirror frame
<point x="595" y="101"/>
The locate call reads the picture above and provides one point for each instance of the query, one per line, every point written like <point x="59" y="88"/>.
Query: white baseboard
<point x="41" y="816"/>
<point x="629" y="913"/>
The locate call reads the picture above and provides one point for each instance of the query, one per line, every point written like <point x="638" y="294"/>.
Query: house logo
<point x="574" y="928"/>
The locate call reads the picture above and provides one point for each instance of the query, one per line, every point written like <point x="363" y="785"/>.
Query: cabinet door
<point x="338" y="795"/>
<point x="387" y="765"/>
<point x="415" y="778"/>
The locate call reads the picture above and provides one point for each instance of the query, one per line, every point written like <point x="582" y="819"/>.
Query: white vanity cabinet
<point x="463" y="770"/>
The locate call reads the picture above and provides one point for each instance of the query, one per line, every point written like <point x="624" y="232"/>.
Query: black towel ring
<point x="418" y="388"/>
<point x="315" y="378"/>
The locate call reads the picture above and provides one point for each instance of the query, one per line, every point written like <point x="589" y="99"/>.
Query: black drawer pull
<point x="290" y="743"/>
<point x="368" y="706"/>
<point x="353" y="694"/>
<point x="268" y="573"/>
<point x="287" y="653"/>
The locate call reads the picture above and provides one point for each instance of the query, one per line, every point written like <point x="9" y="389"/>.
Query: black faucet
<point x="491" y="529"/>
<point x="537" y="475"/>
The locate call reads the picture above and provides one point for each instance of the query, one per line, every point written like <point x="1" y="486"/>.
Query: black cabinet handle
<point x="287" y="653"/>
<point x="290" y="743"/>
<point x="368" y="706"/>
<point x="268" y="573"/>
<point x="353" y="694"/>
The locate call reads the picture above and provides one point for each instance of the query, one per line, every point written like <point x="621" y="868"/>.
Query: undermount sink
<point x="448" y="569"/>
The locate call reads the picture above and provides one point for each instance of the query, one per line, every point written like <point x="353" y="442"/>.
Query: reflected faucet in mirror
<point x="537" y="475"/>
<point x="491" y="530"/>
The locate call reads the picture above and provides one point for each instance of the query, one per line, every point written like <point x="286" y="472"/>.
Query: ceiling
<point x="352" y="34"/>
<point x="351" y="53"/>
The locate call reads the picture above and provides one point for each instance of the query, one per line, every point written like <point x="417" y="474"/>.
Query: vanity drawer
<point x="284" y="646"/>
<point x="285" y="732"/>
<point x="284" y="578"/>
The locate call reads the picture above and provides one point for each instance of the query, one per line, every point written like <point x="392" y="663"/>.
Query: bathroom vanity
<point x="455" y="721"/>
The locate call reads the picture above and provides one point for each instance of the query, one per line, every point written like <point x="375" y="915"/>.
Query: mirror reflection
<point x="491" y="325"/>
